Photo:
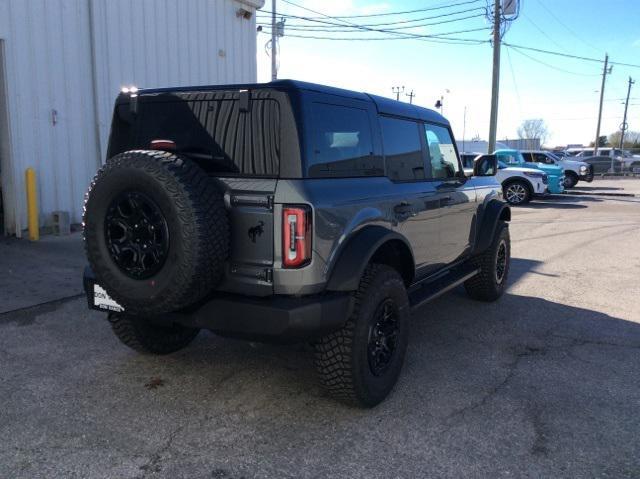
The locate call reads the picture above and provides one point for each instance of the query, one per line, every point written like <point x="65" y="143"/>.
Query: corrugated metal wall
<point x="60" y="101"/>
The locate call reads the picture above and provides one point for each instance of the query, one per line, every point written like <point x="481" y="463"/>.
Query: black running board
<point x="423" y="293"/>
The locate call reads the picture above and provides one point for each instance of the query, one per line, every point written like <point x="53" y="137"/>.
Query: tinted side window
<point x="342" y="145"/>
<point x="442" y="153"/>
<point x="402" y="149"/>
<point x="508" y="158"/>
<point x="541" y="158"/>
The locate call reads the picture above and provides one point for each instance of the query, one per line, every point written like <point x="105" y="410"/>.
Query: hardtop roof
<point x="384" y="105"/>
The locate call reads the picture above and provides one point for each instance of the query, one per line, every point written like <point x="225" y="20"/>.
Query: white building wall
<point x="168" y="43"/>
<point x="60" y="101"/>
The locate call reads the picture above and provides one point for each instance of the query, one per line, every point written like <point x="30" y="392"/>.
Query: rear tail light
<point x="163" y="145"/>
<point x="296" y="236"/>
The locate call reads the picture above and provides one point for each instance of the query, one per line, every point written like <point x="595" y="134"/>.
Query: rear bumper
<point x="275" y="318"/>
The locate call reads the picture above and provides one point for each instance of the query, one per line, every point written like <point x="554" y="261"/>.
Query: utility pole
<point x="410" y="95"/>
<point x="274" y="42"/>
<point x="464" y="128"/>
<point x="397" y="90"/>
<point x="624" y="125"/>
<point x="495" y="84"/>
<point x="605" y="71"/>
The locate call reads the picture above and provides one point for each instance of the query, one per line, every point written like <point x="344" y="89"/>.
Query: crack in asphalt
<point x="512" y="367"/>
<point x="583" y="342"/>
<point x="153" y="465"/>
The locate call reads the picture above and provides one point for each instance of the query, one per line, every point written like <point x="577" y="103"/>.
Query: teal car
<point x="554" y="172"/>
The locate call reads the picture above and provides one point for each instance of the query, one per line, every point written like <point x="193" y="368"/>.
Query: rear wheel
<point x="489" y="283"/>
<point x="517" y="192"/>
<point x="145" y="337"/>
<point x="570" y="179"/>
<point x="360" y="363"/>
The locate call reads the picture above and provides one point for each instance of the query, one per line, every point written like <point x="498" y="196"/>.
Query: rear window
<point x="231" y="138"/>
<point x="342" y="143"/>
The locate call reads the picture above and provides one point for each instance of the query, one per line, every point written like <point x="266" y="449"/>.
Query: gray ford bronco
<point x="288" y="211"/>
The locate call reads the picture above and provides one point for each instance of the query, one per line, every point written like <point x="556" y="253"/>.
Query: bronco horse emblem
<point x="256" y="231"/>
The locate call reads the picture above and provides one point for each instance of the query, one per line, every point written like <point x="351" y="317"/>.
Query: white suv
<point x="574" y="170"/>
<point x="519" y="185"/>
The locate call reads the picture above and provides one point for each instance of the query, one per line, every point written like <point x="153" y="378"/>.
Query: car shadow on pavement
<point x="524" y="376"/>
<point x="596" y="188"/>
<point x="524" y="384"/>
<point x="536" y="205"/>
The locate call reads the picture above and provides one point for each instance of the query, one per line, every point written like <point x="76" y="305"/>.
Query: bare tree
<point x="631" y="139"/>
<point x="534" y="129"/>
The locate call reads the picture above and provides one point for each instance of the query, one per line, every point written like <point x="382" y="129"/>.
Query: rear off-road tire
<point x="360" y="363"/>
<point x="493" y="263"/>
<point x="168" y="205"/>
<point x="148" y="338"/>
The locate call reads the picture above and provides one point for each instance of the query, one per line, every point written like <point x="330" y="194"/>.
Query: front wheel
<point x="360" y="363"/>
<point x="570" y="180"/>
<point x="517" y="193"/>
<point x="489" y="283"/>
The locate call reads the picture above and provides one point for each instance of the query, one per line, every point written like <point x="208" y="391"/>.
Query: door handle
<point x="402" y="208"/>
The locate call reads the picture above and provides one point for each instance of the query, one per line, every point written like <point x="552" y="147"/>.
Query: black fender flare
<point x="489" y="216"/>
<point x="350" y="263"/>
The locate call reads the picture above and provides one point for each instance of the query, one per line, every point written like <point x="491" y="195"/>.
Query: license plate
<point x="102" y="300"/>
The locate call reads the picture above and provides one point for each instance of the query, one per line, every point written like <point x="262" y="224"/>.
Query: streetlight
<point x="440" y="103"/>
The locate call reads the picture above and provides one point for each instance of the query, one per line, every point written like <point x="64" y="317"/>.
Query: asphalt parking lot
<point x="543" y="383"/>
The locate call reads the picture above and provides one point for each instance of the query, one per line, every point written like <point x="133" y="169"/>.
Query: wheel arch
<point x="492" y="213"/>
<point x="519" y="179"/>
<point x="370" y="244"/>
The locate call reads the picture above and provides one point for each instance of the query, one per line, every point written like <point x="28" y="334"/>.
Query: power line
<point x="567" y="55"/>
<point x="440" y="7"/>
<point x="515" y="84"/>
<point x="402" y="35"/>
<point x="543" y="33"/>
<point x="548" y="65"/>
<point x="567" y="27"/>
<point x="428" y="38"/>
<point x="342" y="28"/>
<point x="399" y="22"/>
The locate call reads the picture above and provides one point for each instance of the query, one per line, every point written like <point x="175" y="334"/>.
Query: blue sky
<point x="564" y="92"/>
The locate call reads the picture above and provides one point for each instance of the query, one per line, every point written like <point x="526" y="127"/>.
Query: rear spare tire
<point x="156" y="231"/>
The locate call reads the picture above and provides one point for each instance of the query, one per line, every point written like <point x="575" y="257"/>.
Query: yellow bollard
<point x="32" y="205"/>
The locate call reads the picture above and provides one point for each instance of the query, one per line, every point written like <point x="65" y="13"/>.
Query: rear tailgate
<point x="241" y="138"/>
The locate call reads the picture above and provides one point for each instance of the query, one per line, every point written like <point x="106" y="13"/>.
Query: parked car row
<point x="621" y="161"/>
<point x="523" y="177"/>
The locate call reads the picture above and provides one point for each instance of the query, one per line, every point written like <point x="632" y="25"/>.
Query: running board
<point x="421" y="294"/>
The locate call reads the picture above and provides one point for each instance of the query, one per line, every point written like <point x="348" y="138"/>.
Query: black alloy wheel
<point x="136" y="234"/>
<point x="383" y="337"/>
<point x="501" y="261"/>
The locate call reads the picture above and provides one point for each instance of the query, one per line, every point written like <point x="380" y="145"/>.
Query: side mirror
<point x="485" y="165"/>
